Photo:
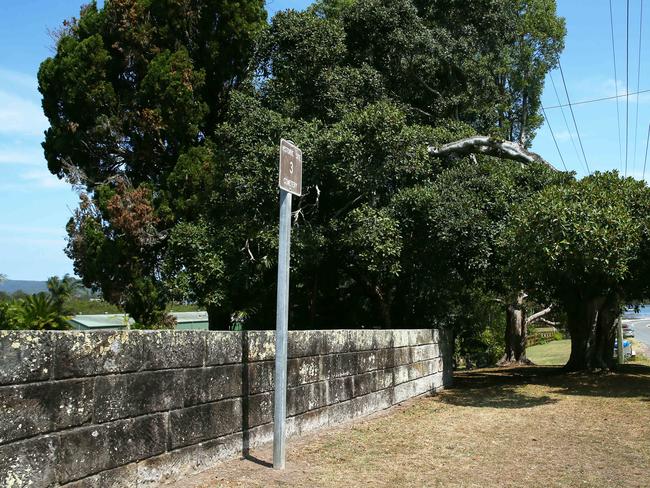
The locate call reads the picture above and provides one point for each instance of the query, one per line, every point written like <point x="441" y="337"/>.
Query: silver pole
<point x="281" y="328"/>
<point x="619" y="340"/>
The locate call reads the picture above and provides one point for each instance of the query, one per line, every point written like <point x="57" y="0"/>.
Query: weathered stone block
<point x="98" y="352"/>
<point x="402" y="355"/>
<point x="196" y="424"/>
<point x="367" y="361"/>
<point x="345" y="364"/>
<point x="307" y="422"/>
<point x="164" y="349"/>
<point x="401" y="338"/>
<point x="27" y="410"/>
<point x="385" y="358"/>
<point x="28" y="463"/>
<point x="359" y="406"/>
<point x="424" y="336"/>
<point x="257" y="410"/>
<point x="204" y="385"/>
<point x="384" y="378"/>
<point x="124" y="476"/>
<point x="89" y="450"/>
<point x="224" y="347"/>
<point x="425" y="352"/>
<point x="363" y="384"/>
<point x="435" y="335"/>
<point x="372" y="402"/>
<point x="421" y="368"/>
<point x="362" y="340"/>
<point x="383" y="338"/>
<point x="261" y="377"/>
<point x="413" y="388"/>
<point x="310" y="342"/>
<point x="134" y="394"/>
<point x="437" y="381"/>
<point x="25" y="356"/>
<point x="306" y="370"/>
<point x="307" y="397"/>
<point x="401" y="374"/>
<point x="368" y="382"/>
<point x="341" y="389"/>
<point x="335" y="341"/>
<point x="260" y="345"/>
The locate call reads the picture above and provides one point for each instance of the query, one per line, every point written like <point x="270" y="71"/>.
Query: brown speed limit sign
<point x="290" y="168"/>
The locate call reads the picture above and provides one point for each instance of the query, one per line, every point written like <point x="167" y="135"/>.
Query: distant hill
<point x="29" y="287"/>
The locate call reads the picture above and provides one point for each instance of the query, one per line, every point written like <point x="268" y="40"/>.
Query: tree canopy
<point x="169" y="123"/>
<point x="584" y="245"/>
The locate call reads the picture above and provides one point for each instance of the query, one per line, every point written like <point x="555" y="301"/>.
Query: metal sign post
<point x="290" y="182"/>
<point x="620" y="349"/>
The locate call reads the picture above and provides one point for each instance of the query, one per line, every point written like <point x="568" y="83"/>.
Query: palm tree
<point x="38" y="312"/>
<point x="61" y="289"/>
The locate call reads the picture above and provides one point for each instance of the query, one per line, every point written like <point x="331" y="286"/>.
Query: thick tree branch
<point x="538" y="316"/>
<point x="549" y="322"/>
<point x="489" y="146"/>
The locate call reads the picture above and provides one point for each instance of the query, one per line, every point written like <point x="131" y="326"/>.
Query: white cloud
<point x="19" y="115"/>
<point x="608" y="88"/>
<point x="564" y="135"/>
<point x="43" y="179"/>
<point x="18" y="80"/>
<point x="20" y="155"/>
<point x="33" y="241"/>
<point x="21" y="229"/>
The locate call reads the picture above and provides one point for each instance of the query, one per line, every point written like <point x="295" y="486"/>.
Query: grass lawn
<point x="550" y="354"/>
<point x="515" y="427"/>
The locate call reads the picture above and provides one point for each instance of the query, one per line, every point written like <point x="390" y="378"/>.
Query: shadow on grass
<point x="501" y="387"/>
<point x="630" y="381"/>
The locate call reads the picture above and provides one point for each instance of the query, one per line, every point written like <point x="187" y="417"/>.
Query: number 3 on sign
<point x="291" y="167"/>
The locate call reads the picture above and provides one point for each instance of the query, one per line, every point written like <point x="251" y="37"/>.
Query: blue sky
<point x="35" y="206"/>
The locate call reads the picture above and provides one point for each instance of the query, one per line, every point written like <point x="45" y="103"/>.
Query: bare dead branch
<point x="538" y="316"/>
<point x="549" y="322"/>
<point x="489" y="146"/>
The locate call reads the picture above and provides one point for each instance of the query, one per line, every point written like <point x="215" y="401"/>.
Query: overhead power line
<point x="645" y="160"/>
<point x="627" y="80"/>
<point x="618" y="114"/>
<point x="575" y="124"/>
<point x="638" y="81"/>
<point x="548" y="122"/>
<point x="602" y="99"/>
<point x="566" y="122"/>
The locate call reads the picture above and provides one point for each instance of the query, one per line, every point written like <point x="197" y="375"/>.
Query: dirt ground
<point x="523" y="427"/>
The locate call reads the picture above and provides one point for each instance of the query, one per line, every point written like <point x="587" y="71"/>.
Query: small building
<point x="184" y="321"/>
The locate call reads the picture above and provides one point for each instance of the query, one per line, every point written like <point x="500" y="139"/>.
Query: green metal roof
<point x="184" y="321"/>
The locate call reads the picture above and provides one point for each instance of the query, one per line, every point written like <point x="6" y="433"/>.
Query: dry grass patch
<point x="532" y="427"/>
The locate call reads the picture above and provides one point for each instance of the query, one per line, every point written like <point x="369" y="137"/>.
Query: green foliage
<point x="133" y="86"/>
<point x="35" y="312"/>
<point x="40" y="312"/>
<point x="85" y="306"/>
<point x="61" y="290"/>
<point x="178" y="141"/>
<point x="9" y="315"/>
<point x="579" y="238"/>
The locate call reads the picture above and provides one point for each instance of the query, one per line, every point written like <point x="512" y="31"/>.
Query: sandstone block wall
<point x="138" y="408"/>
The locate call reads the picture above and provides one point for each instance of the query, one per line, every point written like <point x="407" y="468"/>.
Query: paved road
<point x="642" y="330"/>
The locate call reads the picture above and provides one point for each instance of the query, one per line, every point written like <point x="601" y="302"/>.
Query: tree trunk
<point x="516" y="333"/>
<point x="313" y="300"/>
<point x="524" y="120"/>
<point x="606" y="333"/>
<point x="384" y="301"/>
<point x="219" y="318"/>
<point x="583" y="325"/>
